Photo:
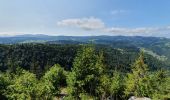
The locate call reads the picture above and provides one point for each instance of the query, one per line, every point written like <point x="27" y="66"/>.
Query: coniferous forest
<point x="34" y="71"/>
<point x="84" y="49"/>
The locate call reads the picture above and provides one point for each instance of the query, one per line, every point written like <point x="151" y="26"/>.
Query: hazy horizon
<point x="85" y="17"/>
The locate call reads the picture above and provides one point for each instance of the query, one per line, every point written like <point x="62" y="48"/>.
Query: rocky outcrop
<point x="136" y="98"/>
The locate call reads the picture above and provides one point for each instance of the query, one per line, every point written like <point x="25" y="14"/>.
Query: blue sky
<point x="85" y="17"/>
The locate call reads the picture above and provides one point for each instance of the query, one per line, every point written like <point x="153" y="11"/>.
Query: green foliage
<point x="85" y="75"/>
<point x="142" y="83"/>
<point x="117" y="86"/>
<point x="104" y="87"/>
<point x="158" y="85"/>
<point x="44" y="90"/>
<point x="36" y="58"/>
<point x="94" y="74"/>
<point x="57" y="76"/>
<point x="137" y="80"/>
<point x="22" y="86"/>
<point x="5" y="81"/>
<point x="167" y="88"/>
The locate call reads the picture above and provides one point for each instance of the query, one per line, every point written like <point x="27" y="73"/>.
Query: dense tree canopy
<point x="81" y="72"/>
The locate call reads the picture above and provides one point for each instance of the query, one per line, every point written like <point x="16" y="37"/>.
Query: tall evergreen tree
<point x="137" y="81"/>
<point x="86" y="72"/>
<point x="116" y="88"/>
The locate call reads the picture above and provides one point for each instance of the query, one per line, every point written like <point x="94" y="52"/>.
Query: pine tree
<point x="158" y="84"/>
<point x="116" y="88"/>
<point x="86" y="72"/>
<point x="137" y="82"/>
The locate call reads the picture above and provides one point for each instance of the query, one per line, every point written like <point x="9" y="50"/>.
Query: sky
<point x="85" y="17"/>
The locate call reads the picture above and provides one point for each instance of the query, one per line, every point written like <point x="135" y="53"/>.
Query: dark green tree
<point x="86" y="72"/>
<point x="5" y="81"/>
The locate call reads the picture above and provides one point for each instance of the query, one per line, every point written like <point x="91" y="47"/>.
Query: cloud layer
<point x="84" y="23"/>
<point x="132" y="30"/>
<point x="92" y="23"/>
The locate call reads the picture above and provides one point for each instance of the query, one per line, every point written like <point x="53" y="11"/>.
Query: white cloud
<point x="131" y="30"/>
<point x="92" y="23"/>
<point x="117" y="12"/>
<point x="83" y="23"/>
<point x="140" y="31"/>
<point x="168" y="27"/>
<point x="7" y="34"/>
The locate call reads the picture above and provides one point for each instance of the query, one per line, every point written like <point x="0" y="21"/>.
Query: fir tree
<point x="137" y="82"/>
<point x="86" y="72"/>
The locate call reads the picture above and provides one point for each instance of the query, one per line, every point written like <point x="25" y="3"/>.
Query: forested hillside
<point x="157" y="45"/>
<point x="38" y="58"/>
<point x="84" y="50"/>
<point x="80" y="72"/>
<point x="83" y="69"/>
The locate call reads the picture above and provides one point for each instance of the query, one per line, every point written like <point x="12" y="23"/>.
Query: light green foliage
<point x="142" y="83"/>
<point x="56" y="76"/>
<point x="104" y="87"/>
<point x="158" y="85"/>
<point x="117" y="87"/>
<point x="137" y="81"/>
<point x="84" y="96"/>
<point x="111" y="86"/>
<point x="167" y="88"/>
<point x="44" y="90"/>
<point x="22" y="86"/>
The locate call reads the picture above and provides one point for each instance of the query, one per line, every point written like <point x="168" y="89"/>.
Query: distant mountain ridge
<point x="30" y="35"/>
<point x="27" y="37"/>
<point x="157" y="47"/>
